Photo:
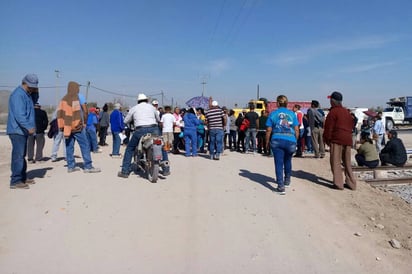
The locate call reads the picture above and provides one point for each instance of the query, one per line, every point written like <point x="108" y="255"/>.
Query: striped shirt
<point x="214" y="117"/>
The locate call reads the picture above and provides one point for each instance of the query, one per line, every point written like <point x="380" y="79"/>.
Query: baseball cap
<point x="31" y="80"/>
<point x="336" y="96"/>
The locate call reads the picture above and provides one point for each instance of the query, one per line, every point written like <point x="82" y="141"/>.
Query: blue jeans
<point x="134" y="141"/>
<point x="250" y="134"/>
<point x="57" y="139"/>
<point x="282" y="152"/>
<point x="191" y="141"/>
<point x="216" y="141"/>
<point x="299" y="149"/>
<point x="18" y="158"/>
<point x="91" y="135"/>
<point x="116" y="143"/>
<point x="84" y="148"/>
<point x="232" y="139"/>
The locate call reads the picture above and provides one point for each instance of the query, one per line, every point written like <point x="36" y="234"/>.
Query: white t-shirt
<point x="168" y="121"/>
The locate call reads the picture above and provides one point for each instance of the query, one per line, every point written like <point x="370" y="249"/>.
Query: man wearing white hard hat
<point x="146" y="119"/>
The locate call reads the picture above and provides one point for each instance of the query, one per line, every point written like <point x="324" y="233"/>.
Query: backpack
<point x="245" y="125"/>
<point x="53" y="130"/>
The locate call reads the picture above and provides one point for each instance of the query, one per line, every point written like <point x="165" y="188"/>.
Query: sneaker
<point x="280" y="190"/>
<point x="20" y="185"/>
<point x="30" y="181"/>
<point x="70" y="170"/>
<point x="166" y="172"/>
<point x="116" y="155"/>
<point x="92" y="170"/>
<point x="122" y="175"/>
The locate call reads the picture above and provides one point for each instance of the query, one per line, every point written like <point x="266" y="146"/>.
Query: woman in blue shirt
<point x="282" y="131"/>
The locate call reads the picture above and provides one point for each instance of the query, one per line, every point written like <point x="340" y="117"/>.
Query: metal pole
<point x="57" y="86"/>
<point x="87" y="91"/>
<point x="203" y="90"/>
<point x="258" y="92"/>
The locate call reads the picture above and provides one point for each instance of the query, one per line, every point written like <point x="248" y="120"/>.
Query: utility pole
<point x="258" y="96"/>
<point x="87" y="91"/>
<point x="57" y="86"/>
<point x="203" y="90"/>
<point x="162" y="98"/>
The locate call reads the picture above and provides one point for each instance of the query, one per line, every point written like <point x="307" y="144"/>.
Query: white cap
<point x="215" y="103"/>
<point x="117" y="106"/>
<point x="155" y="102"/>
<point x="141" y="97"/>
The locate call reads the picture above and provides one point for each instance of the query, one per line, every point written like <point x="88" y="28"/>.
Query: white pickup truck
<point x="398" y="112"/>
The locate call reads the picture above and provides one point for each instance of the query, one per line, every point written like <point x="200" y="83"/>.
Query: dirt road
<point x="207" y="217"/>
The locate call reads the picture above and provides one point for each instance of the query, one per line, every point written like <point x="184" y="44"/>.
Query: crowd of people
<point x="283" y="133"/>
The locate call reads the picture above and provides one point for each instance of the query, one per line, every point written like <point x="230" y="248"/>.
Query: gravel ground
<point x="402" y="191"/>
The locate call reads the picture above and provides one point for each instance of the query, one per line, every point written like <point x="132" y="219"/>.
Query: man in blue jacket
<point x="21" y="124"/>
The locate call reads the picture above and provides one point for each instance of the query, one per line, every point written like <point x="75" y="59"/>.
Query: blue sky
<point x="303" y="49"/>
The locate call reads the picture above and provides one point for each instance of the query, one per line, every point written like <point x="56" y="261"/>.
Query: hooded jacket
<point x="69" y="114"/>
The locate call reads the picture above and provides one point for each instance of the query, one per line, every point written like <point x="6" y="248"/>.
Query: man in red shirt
<point x="337" y="135"/>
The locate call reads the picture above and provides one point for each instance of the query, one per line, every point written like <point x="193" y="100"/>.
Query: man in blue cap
<point x="21" y="124"/>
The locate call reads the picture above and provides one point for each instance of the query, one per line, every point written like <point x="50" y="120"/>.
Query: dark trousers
<point x="360" y="159"/>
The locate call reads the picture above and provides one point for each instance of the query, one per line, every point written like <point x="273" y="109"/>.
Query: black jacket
<point x="42" y="121"/>
<point x="395" y="148"/>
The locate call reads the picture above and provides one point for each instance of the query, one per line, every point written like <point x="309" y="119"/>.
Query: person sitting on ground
<point x="394" y="151"/>
<point x="367" y="154"/>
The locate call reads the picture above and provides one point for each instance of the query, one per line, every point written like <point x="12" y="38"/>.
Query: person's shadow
<point x="301" y="174"/>
<point x="258" y="178"/>
<point x="266" y="180"/>
<point x="38" y="173"/>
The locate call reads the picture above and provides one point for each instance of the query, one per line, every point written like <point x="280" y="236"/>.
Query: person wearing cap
<point x="338" y="136"/>
<point x="155" y="104"/>
<point x="37" y="140"/>
<point x="71" y="120"/>
<point x="20" y="125"/>
<point x="145" y="119"/>
<point x="117" y="126"/>
<point x="394" y="152"/>
<point x="91" y="128"/>
<point x="316" y="118"/>
<point x="216" y="121"/>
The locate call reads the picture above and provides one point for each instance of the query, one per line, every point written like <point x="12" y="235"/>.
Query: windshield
<point x="388" y="109"/>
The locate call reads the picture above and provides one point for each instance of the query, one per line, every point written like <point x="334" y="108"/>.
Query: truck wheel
<point x="389" y="124"/>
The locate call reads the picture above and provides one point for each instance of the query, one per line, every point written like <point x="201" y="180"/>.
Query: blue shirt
<point x="92" y="121"/>
<point x="191" y="121"/>
<point x="116" y="121"/>
<point x="283" y="122"/>
<point x="21" y="112"/>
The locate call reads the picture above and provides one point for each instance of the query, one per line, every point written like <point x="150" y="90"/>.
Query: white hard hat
<point x="215" y="103"/>
<point x="155" y="102"/>
<point x="141" y="97"/>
